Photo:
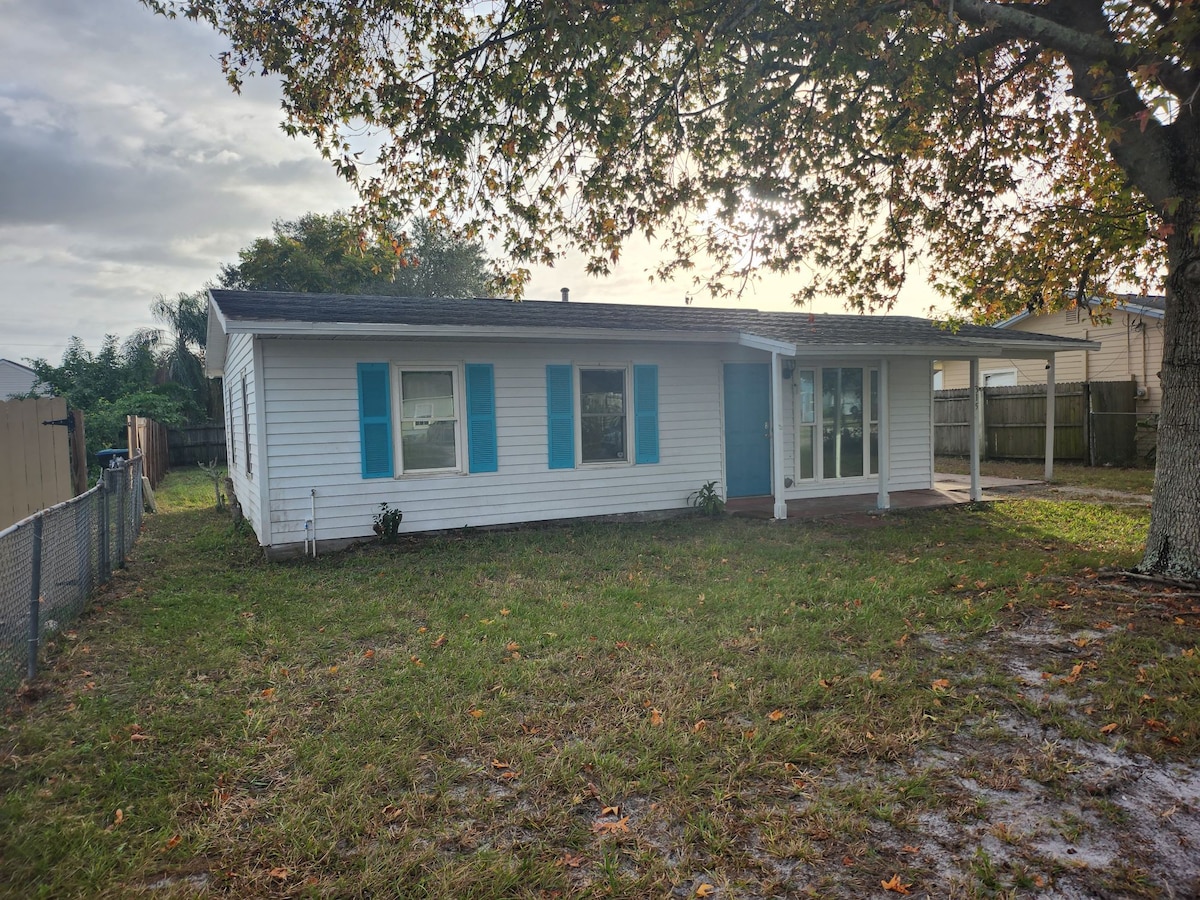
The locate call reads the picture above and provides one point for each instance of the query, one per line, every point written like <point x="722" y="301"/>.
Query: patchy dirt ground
<point x="1052" y="815"/>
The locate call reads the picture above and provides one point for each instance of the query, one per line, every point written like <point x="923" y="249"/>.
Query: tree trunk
<point x="1173" y="545"/>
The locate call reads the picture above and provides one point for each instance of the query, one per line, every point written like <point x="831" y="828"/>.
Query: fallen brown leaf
<point x="620" y="826"/>
<point x="894" y="884"/>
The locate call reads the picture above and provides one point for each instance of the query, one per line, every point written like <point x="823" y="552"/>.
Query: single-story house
<point x="483" y="412"/>
<point x="15" y="379"/>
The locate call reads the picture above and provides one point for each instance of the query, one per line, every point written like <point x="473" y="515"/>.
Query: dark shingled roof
<point x="257" y="310"/>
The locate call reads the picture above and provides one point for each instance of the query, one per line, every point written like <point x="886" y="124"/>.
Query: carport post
<point x="976" y="391"/>
<point x="777" y="435"/>
<point x="885" y="498"/>
<point x="1050" y="417"/>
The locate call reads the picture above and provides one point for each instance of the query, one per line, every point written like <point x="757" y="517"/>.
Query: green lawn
<point x="594" y="710"/>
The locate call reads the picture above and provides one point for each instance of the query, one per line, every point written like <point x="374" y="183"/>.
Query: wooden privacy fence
<point x="41" y="456"/>
<point x="150" y="438"/>
<point x="196" y="444"/>
<point x="1094" y="422"/>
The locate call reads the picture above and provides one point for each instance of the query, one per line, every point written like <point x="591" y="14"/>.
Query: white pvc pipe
<point x="313" y="519"/>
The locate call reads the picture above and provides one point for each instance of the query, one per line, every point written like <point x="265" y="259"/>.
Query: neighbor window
<point x="428" y="420"/>
<point x="603" y="424"/>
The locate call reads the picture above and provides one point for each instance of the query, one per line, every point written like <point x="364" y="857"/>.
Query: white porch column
<point x="1050" y="417"/>
<point x="777" y="435"/>
<point x="976" y="409"/>
<point x="885" y="500"/>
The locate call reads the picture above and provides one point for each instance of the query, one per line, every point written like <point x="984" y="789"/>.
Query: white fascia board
<point x="771" y="345"/>
<point x="1013" y="320"/>
<point x="941" y="351"/>
<point x="1136" y="309"/>
<point x="360" y="331"/>
<point x="1042" y="351"/>
<point x="216" y="340"/>
<point x="1029" y="349"/>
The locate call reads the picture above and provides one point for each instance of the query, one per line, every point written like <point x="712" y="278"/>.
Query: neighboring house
<point x="1131" y="345"/>
<point x="491" y="412"/>
<point x="15" y="379"/>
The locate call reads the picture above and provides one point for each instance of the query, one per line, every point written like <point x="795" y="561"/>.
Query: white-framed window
<point x="246" y="426"/>
<point x="229" y="426"/>
<point x="604" y="430"/>
<point x="837" y="422"/>
<point x="998" y="378"/>
<point x="806" y="423"/>
<point x="428" y="401"/>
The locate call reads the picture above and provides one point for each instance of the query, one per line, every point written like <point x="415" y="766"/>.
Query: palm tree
<point x="182" y="355"/>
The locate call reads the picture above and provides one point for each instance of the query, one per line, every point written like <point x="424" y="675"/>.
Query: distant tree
<point x="332" y="254"/>
<point x="117" y="381"/>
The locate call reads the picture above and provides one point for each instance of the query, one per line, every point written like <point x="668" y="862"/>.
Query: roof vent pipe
<point x="566" y="294"/>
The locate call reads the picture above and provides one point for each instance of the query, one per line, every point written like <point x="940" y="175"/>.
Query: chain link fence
<point x="51" y="562"/>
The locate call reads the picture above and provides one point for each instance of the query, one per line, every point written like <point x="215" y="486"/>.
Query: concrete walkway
<point x="948" y="490"/>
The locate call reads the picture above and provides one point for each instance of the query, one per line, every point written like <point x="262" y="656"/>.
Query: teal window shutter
<point x="481" y="418"/>
<point x="375" y="419"/>
<point x="560" y="416"/>
<point x="645" y="414"/>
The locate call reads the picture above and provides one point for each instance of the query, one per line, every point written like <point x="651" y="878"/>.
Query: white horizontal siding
<point x="15" y="379"/>
<point x="311" y="413"/>
<point x="239" y="361"/>
<point x="910" y="405"/>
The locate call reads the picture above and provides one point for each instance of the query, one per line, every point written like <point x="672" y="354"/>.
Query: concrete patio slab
<point x="948" y="490"/>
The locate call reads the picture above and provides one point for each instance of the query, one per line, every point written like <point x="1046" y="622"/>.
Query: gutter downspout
<point x="777" y="436"/>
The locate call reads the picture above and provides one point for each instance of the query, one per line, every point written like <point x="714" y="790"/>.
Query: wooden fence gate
<point x="1095" y="423"/>
<point x="37" y="468"/>
<point x="150" y="438"/>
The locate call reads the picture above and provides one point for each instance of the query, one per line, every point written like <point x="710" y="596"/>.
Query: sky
<point x="129" y="169"/>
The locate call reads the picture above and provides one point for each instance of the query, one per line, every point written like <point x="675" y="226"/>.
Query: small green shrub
<point x="387" y="523"/>
<point x="707" y="499"/>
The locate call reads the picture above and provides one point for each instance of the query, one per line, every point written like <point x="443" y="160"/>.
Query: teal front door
<point x="747" y="429"/>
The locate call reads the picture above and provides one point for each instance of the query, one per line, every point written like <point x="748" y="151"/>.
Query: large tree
<point x="1028" y="152"/>
<point x="334" y="253"/>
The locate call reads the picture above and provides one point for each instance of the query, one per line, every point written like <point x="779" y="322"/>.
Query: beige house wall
<point x="1131" y="347"/>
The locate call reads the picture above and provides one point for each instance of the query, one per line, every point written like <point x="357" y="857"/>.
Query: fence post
<point x="35" y="598"/>
<point x="103" y="548"/>
<point x="123" y="476"/>
<point x="1089" y="449"/>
